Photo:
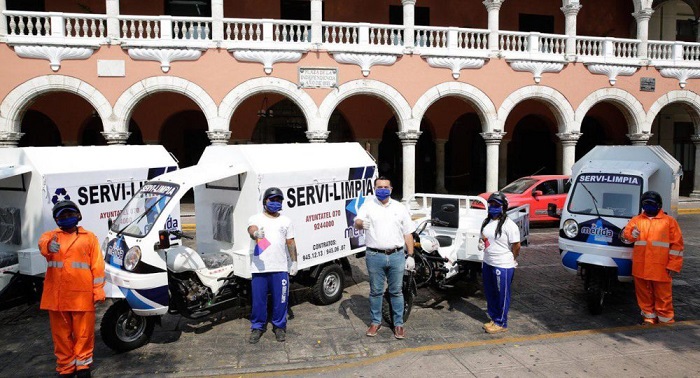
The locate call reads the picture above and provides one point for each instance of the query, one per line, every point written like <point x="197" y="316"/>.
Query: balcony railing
<point x="235" y="33"/>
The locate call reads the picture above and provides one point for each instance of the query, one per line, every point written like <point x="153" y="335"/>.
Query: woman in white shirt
<point x="501" y="242"/>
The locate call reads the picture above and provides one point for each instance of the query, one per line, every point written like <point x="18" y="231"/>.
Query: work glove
<point x="410" y="263"/>
<point x="259" y="233"/>
<point x="366" y="224"/>
<point x="53" y="245"/>
<point x="635" y="232"/>
<point x="482" y="245"/>
<point x="294" y="268"/>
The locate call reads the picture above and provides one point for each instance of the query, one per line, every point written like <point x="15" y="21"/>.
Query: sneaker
<point x="495" y="328"/>
<point x="487" y="325"/>
<point x="280" y="334"/>
<point x="372" y="330"/>
<point x="255" y="336"/>
<point x="399" y="332"/>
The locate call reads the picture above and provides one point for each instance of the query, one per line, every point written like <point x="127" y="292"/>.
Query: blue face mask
<point x="495" y="211"/>
<point x="67" y="223"/>
<point x="383" y="193"/>
<point x="650" y="209"/>
<point x="273" y="207"/>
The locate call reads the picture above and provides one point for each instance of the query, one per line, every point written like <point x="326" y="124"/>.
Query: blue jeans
<point x="381" y="268"/>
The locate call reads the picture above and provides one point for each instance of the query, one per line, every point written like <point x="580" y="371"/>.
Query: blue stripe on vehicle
<point x="624" y="267"/>
<point x="569" y="259"/>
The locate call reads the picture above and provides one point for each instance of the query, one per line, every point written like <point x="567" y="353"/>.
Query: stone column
<point x="10" y="139"/>
<point x="317" y="136"/>
<point x="409" y="139"/>
<point x="217" y="20"/>
<point x="409" y="23"/>
<point x="696" y="174"/>
<point x="116" y="137"/>
<point x="642" y="18"/>
<point x="3" y="20"/>
<point x="639" y="139"/>
<point x="493" y="141"/>
<point x="568" y="151"/>
<point x="316" y="19"/>
<point x="219" y="137"/>
<point x="440" y="165"/>
<point x="570" y="12"/>
<point x="494" y="8"/>
<point x="112" y="10"/>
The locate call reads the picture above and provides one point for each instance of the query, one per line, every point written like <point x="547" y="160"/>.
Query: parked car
<point x="537" y="191"/>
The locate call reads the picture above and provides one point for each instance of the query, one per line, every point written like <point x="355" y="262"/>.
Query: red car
<point x="538" y="191"/>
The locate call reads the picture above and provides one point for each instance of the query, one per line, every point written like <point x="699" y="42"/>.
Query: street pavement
<point x="550" y="332"/>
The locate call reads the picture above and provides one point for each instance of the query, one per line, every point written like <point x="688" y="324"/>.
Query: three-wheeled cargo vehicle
<point x="100" y="179"/>
<point x="324" y="185"/>
<point x="607" y="184"/>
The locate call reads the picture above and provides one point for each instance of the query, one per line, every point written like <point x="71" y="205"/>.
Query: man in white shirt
<point x="273" y="234"/>
<point x="388" y="236"/>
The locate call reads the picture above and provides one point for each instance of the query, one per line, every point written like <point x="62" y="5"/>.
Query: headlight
<point x="132" y="258"/>
<point x="570" y="228"/>
<point x="105" y="243"/>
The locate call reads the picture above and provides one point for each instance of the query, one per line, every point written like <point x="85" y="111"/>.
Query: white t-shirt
<point x="388" y="223"/>
<point x="270" y="253"/>
<point x="498" y="252"/>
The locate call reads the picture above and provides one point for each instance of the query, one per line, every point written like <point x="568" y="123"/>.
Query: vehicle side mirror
<point x="163" y="239"/>
<point x="448" y="208"/>
<point x="536" y="193"/>
<point x="552" y="210"/>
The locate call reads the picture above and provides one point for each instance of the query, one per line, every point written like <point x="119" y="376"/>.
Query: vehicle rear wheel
<point x="329" y="285"/>
<point x="122" y="330"/>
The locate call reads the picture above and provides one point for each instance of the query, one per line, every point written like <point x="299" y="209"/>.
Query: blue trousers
<point x="497" y="282"/>
<point x="389" y="268"/>
<point x="277" y="284"/>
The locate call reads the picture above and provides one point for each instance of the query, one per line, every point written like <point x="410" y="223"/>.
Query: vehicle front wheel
<point x="329" y="285"/>
<point x="122" y="330"/>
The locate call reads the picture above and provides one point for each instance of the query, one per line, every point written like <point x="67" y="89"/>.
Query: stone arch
<point x="687" y="98"/>
<point x="128" y="101"/>
<point x="268" y="84"/>
<point x="19" y="99"/>
<point x="555" y="101"/>
<point x="630" y="107"/>
<point x="375" y="88"/>
<point x="483" y="104"/>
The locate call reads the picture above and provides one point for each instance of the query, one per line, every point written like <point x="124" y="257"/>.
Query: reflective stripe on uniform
<point x="55" y="264"/>
<point x="98" y="280"/>
<point x="80" y="265"/>
<point x="675" y="253"/>
<point x="648" y="316"/>
<point x="83" y="362"/>
<point x="664" y="319"/>
<point x="641" y="242"/>
<point x="660" y="244"/>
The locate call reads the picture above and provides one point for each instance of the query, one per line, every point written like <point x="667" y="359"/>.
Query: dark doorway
<point x="465" y="157"/>
<point x="184" y="134"/>
<point x="684" y="152"/>
<point x="592" y="134"/>
<point x="188" y="8"/>
<point x="296" y="10"/>
<point x="425" y="161"/>
<point x="536" y="23"/>
<point x="26" y="5"/>
<point x="92" y="133"/>
<point x="339" y="129"/>
<point x="284" y="124"/>
<point x="421" y="15"/>
<point x="390" y="162"/>
<point x="39" y="131"/>
<point x="531" y="151"/>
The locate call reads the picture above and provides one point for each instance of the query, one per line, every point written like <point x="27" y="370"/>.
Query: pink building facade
<point x="448" y="95"/>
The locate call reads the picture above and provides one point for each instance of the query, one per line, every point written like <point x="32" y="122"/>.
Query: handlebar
<point x="421" y="227"/>
<point x="180" y="234"/>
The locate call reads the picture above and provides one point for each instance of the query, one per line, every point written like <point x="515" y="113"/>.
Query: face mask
<point x="273" y="207"/>
<point x="67" y="223"/>
<point x="495" y="211"/>
<point x="383" y="193"/>
<point x="650" y="209"/>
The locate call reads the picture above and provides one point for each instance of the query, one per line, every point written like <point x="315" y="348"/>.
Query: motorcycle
<point x="436" y="266"/>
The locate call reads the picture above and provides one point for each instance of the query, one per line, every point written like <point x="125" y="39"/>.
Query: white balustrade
<point x="626" y="48"/>
<point x="513" y="41"/>
<point x="341" y="33"/>
<point x="85" y="26"/>
<point x="291" y="31"/>
<point x="473" y="39"/>
<point x="240" y="30"/>
<point x="660" y="50"/>
<point x="552" y="44"/>
<point x="28" y="23"/>
<point x="691" y="52"/>
<point x="385" y="35"/>
<point x="140" y="27"/>
<point x="431" y="37"/>
<point x="189" y="28"/>
<point x="589" y="46"/>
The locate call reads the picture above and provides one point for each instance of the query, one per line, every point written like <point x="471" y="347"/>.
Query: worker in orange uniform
<point x="656" y="258"/>
<point x="75" y="277"/>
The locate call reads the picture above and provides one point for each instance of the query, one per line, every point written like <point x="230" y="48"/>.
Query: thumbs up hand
<point x="260" y="233"/>
<point x="54" y="246"/>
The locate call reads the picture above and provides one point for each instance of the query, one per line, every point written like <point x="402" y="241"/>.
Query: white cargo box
<point x="100" y="179"/>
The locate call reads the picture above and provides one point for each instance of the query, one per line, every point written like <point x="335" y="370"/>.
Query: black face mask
<point x="650" y="208"/>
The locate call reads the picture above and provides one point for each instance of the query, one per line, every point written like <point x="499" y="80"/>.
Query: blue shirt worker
<point x="273" y="234"/>
<point x="388" y="236"/>
<point x="501" y="244"/>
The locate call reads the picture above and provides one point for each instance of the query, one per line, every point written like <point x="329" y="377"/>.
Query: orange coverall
<point x="75" y="279"/>
<point x="657" y="250"/>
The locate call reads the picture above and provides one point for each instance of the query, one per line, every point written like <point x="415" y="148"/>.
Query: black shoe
<point x="85" y="373"/>
<point x="255" y="336"/>
<point x="280" y="334"/>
